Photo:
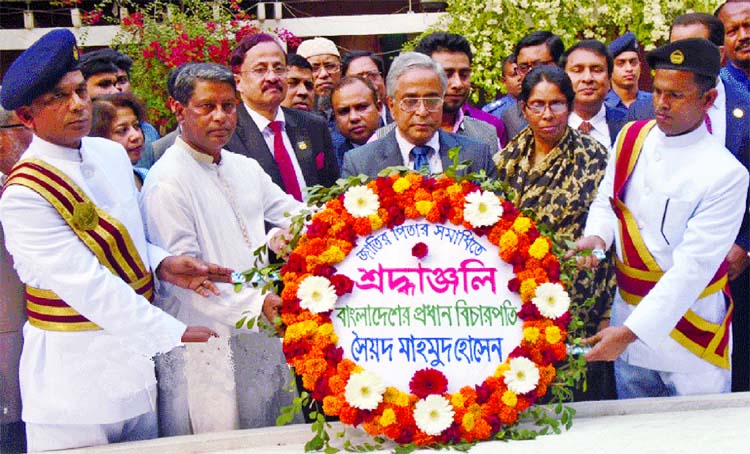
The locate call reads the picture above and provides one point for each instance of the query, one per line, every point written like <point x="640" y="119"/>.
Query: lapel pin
<point x="302" y="146"/>
<point x="738" y="113"/>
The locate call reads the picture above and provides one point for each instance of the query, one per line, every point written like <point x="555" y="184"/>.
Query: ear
<point x="379" y="104"/>
<point x="723" y="54"/>
<point x="25" y="116"/>
<point x="708" y="99"/>
<point x="522" y="106"/>
<point x="179" y="111"/>
<point x="390" y="102"/>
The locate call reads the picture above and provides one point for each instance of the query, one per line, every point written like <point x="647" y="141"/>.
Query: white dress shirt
<point x="86" y="377"/>
<point x="436" y="164"/>
<point x="215" y="212"/>
<point x="718" y="113"/>
<point x="262" y="123"/>
<point x="599" y="127"/>
<point x="685" y="194"/>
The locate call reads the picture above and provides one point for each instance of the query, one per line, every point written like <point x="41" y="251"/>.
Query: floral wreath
<point x="425" y="414"/>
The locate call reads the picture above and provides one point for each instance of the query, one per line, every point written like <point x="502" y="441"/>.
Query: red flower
<point x="514" y="285"/>
<point x="428" y="381"/>
<point x="420" y="250"/>
<point x="342" y="284"/>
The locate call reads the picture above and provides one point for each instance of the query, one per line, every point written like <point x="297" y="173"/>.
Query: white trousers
<point x="49" y="437"/>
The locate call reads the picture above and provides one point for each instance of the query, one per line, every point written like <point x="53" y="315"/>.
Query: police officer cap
<point x="696" y="55"/>
<point x="625" y="43"/>
<point x="39" y="68"/>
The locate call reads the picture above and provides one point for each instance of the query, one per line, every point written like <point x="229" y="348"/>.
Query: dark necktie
<point x="284" y="161"/>
<point x="585" y="127"/>
<point x="421" y="157"/>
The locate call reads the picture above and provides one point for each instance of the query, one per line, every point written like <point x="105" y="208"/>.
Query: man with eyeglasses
<point x="416" y="85"/>
<point x="14" y="139"/>
<point x="453" y="53"/>
<point x="326" y="67"/>
<point x="535" y="49"/>
<point x="293" y="147"/>
<point x="299" y="92"/>
<point x="107" y="71"/>
<point x="363" y="63"/>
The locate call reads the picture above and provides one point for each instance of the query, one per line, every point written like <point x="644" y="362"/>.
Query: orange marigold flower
<point x="362" y="226"/>
<point x="528" y="290"/>
<point x="332" y="405"/>
<point x="508" y="241"/>
<point x="411" y="212"/>
<point x="422" y="194"/>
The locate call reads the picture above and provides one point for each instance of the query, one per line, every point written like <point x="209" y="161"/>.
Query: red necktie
<point x="284" y="161"/>
<point x="585" y="127"/>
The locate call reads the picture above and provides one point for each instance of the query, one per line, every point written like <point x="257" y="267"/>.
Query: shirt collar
<point x="202" y="158"/>
<point x="598" y="121"/>
<point x="720" y="103"/>
<point x="51" y="150"/>
<point x="683" y="140"/>
<point x="262" y="122"/>
<point x="459" y="124"/>
<point x="405" y="146"/>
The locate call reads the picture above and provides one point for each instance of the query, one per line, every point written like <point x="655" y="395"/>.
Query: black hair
<point x="553" y="42"/>
<point x="548" y="73"/>
<point x="349" y="57"/>
<point x="299" y="61"/>
<point x="444" y="41"/>
<point x="594" y="46"/>
<point x="712" y="23"/>
<point x="349" y="80"/>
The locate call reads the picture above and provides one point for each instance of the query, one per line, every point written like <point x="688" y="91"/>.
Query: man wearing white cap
<point x="326" y="63"/>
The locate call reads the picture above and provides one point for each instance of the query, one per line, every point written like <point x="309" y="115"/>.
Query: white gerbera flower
<point x="482" y="208"/>
<point x="522" y="376"/>
<point x="316" y="294"/>
<point x="551" y="299"/>
<point x="361" y="202"/>
<point x="364" y="390"/>
<point x="433" y="414"/>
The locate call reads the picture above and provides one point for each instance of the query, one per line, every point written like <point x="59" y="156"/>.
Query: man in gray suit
<point x="14" y="139"/>
<point x="292" y="146"/>
<point x="416" y="86"/>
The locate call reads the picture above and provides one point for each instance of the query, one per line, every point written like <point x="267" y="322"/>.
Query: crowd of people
<point x="102" y="216"/>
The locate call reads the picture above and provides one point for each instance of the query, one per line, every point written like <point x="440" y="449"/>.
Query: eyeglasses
<point x="372" y="75"/>
<point x="525" y="68"/>
<point x="13" y="126"/>
<point x="259" y="71"/>
<point x="430" y="104"/>
<point x="538" y="107"/>
<point x="331" y="68"/>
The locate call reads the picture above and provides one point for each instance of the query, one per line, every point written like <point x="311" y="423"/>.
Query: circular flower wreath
<point x="427" y="414"/>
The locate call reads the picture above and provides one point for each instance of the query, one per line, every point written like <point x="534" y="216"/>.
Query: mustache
<point x="270" y="85"/>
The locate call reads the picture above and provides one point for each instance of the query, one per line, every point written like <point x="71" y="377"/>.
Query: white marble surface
<point x="685" y="425"/>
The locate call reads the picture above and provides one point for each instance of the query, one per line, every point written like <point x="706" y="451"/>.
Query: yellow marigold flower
<point x="388" y="417"/>
<point x="457" y="400"/>
<point x="401" y="185"/>
<point x="455" y="188"/>
<point x="552" y="334"/>
<point x="395" y="397"/>
<point x="332" y="255"/>
<point x="376" y="222"/>
<point x="531" y="334"/>
<point x="467" y="422"/>
<point x="509" y="398"/>
<point x="509" y="240"/>
<point x="528" y="290"/>
<point x="424" y="206"/>
<point x="357" y="369"/>
<point x="539" y="248"/>
<point x="501" y="370"/>
<point x="300" y="330"/>
<point x="522" y="224"/>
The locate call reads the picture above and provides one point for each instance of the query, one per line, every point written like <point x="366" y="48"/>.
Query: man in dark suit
<point x="292" y="146"/>
<point x="416" y="86"/>
<point x="535" y="49"/>
<point x="589" y="64"/>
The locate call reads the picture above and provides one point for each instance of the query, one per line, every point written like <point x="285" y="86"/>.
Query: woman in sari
<point x="555" y="171"/>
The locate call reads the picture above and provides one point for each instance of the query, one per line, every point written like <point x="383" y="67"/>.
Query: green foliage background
<point x="494" y="26"/>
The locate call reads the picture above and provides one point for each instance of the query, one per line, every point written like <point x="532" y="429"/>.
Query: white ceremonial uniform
<point x="87" y="377"/>
<point x="684" y="194"/>
<point x="216" y="212"/>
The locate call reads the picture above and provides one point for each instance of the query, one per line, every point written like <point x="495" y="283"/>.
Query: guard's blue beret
<point x="624" y="43"/>
<point x="39" y="68"/>
<point x="696" y="55"/>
